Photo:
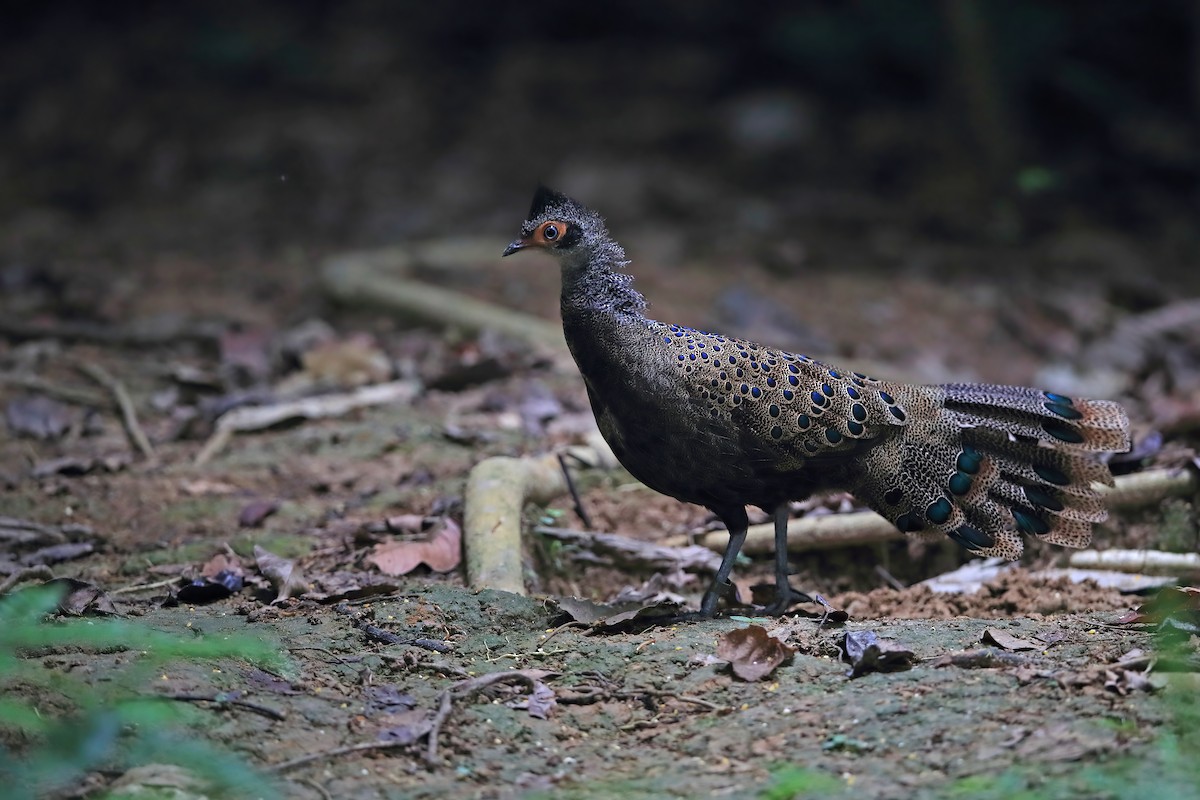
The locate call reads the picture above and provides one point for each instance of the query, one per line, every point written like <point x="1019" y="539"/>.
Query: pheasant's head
<point x="588" y="257"/>
<point x="562" y="227"/>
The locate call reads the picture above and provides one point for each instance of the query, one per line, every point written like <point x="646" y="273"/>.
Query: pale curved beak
<point x="515" y="246"/>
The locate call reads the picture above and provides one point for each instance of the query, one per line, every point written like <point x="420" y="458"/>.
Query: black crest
<point x="545" y="198"/>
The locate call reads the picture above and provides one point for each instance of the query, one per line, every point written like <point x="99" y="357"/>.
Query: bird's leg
<point x="720" y="583"/>
<point x="785" y="595"/>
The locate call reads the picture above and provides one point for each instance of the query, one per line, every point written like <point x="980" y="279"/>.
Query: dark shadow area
<point x="226" y="126"/>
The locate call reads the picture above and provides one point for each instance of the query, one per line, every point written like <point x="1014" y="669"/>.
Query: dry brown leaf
<point x="1125" y="681"/>
<point x="1007" y="641"/>
<point x="865" y="652"/>
<point x="441" y="551"/>
<point x="82" y="598"/>
<point x="254" y="513"/>
<point x="286" y="579"/>
<point x="245" y="356"/>
<point x="540" y="703"/>
<point x="354" y="361"/>
<point x="39" y="417"/>
<point x="224" y="562"/>
<point x="752" y="653"/>
<point x="1174" y="601"/>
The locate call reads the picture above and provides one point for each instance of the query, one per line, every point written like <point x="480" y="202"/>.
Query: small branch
<point x="129" y="420"/>
<point x="334" y="656"/>
<point x="1152" y="486"/>
<point x="1153" y="562"/>
<point x="445" y="706"/>
<point x="28" y="574"/>
<point x="316" y="787"/>
<point x="565" y="626"/>
<point x="889" y="578"/>
<point x="822" y="532"/>
<point x="362" y="747"/>
<point x="375" y="633"/>
<point x="660" y="694"/>
<point x="68" y="394"/>
<point x="15" y="531"/>
<point x="463" y="690"/>
<point x="143" y="587"/>
<point x="144" y="333"/>
<point x="256" y="418"/>
<point x="634" y="554"/>
<point x="580" y="511"/>
<point x="985" y="658"/>
<point x="457" y="691"/>
<point x="269" y="713"/>
<point x="497" y="490"/>
<point x="586" y="695"/>
<point x="377" y="279"/>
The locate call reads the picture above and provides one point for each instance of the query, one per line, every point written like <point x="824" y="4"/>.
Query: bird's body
<point x="727" y="423"/>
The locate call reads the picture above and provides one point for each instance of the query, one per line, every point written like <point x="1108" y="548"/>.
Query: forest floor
<point x="1031" y="684"/>
<point x="166" y="272"/>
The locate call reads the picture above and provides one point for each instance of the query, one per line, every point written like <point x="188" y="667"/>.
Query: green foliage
<point x="1177" y="532"/>
<point x="1037" y="180"/>
<point x="791" y="782"/>
<point x="68" y="726"/>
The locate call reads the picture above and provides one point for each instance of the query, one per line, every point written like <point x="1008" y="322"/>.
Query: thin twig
<point x="361" y="747"/>
<point x="256" y="418"/>
<point x="458" y="691"/>
<point x="334" y="656"/>
<point x="316" y="787"/>
<point x="133" y="428"/>
<point x="29" y="573"/>
<point x="269" y="713"/>
<point x="439" y="667"/>
<point x="889" y="578"/>
<point x="588" y="694"/>
<point x="630" y="553"/>
<point x="461" y="691"/>
<point x="148" y="333"/>
<point x="142" y="587"/>
<point x="683" y="698"/>
<point x="570" y="624"/>
<point x="580" y="511"/>
<point x="445" y="704"/>
<point x="985" y="658"/>
<point x="378" y="634"/>
<point x="68" y="394"/>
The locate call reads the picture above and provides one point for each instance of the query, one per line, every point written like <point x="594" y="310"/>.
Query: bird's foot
<point x="786" y="596"/>
<point x="708" y="606"/>
<point x="785" y="600"/>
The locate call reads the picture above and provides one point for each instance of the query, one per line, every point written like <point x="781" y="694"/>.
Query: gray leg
<point x="782" y="587"/>
<point x="785" y="595"/>
<point x="736" y="523"/>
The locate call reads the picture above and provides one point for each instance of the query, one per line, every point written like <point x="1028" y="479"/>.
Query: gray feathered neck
<point x="592" y="262"/>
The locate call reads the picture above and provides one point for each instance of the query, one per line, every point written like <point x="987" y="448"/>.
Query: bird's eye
<point x="550" y="232"/>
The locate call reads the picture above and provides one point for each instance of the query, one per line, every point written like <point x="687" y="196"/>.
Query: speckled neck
<point x="591" y="282"/>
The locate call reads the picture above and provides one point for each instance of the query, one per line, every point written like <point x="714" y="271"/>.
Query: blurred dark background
<point x="787" y="131"/>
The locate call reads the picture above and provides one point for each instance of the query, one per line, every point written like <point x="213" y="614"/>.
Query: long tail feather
<point x="993" y="463"/>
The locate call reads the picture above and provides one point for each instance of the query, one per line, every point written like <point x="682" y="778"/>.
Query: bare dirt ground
<point x="647" y="713"/>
